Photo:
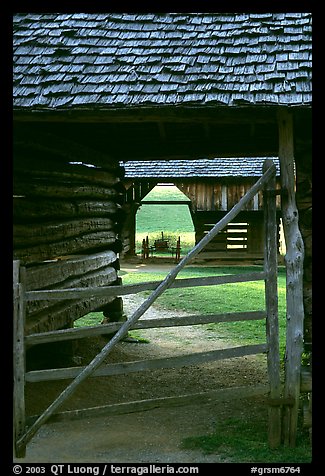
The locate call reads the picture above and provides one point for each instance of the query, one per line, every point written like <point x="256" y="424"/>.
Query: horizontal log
<point x="79" y="244"/>
<point x="38" y="233"/>
<point x="137" y="288"/>
<point x="26" y="209"/>
<point x="146" y="365"/>
<point x="91" y="331"/>
<point x="69" y="173"/>
<point x="101" y="277"/>
<point x="63" y="313"/>
<point x="59" y="190"/>
<point x="46" y="275"/>
<point x="219" y="395"/>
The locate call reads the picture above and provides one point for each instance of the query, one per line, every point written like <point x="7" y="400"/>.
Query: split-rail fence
<point x="26" y="427"/>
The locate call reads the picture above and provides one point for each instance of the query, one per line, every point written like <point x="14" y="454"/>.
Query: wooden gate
<point x="26" y="427"/>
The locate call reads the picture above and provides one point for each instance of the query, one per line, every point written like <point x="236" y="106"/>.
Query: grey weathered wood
<point x="271" y="302"/>
<point x="100" y="277"/>
<point x="59" y="190"/>
<point x="294" y="275"/>
<point x="147" y="365"/>
<point x="19" y="358"/>
<point x="91" y="331"/>
<point x="166" y="283"/>
<point x="73" y="174"/>
<point x="25" y="209"/>
<point x="137" y="288"/>
<point x="219" y="395"/>
<point x="46" y="275"/>
<point x="32" y="234"/>
<point x="62" y="313"/>
<point x="77" y="244"/>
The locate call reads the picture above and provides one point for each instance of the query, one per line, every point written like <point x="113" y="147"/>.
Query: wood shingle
<point x="153" y="59"/>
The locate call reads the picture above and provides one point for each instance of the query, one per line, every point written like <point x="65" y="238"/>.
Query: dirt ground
<point x="154" y="435"/>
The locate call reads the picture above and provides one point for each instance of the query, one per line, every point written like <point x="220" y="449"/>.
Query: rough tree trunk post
<point x="19" y="357"/>
<point x="271" y="301"/>
<point x="294" y="276"/>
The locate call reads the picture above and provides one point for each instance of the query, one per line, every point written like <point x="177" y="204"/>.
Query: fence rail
<point x="81" y="293"/>
<point x="24" y="433"/>
<point x="110" y="328"/>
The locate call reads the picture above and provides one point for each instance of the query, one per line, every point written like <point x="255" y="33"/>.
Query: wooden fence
<point x="26" y="427"/>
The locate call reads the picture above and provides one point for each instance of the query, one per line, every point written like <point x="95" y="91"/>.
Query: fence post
<point x="271" y="301"/>
<point x="294" y="259"/>
<point x="19" y="357"/>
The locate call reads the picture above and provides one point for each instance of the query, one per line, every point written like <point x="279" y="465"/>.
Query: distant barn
<point x="213" y="186"/>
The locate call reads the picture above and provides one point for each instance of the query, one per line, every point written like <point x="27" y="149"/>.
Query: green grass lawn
<point x="242" y="440"/>
<point x="172" y="220"/>
<point x="218" y="299"/>
<point x="214" y="300"/>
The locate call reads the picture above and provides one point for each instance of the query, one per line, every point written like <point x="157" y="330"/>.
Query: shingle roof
<point x="74" y="60"/>
<point x="220" y="167"/>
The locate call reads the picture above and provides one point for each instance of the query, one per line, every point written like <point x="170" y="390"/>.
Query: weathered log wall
<point x="67" y="219"/>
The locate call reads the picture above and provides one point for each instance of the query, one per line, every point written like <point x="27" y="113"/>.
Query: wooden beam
<point x="78" y="244"/>
<point x="219" y="395"/>
<point x="110" y="328"/>
<point x="237" y="115"/>
<point x="47" y="275"/>
<point x="32" y="234"/>
<point x="148" y="365"/>
<point x="78" y="293"/>
<point x="271" y="302"/>
<point x="19" y="358"/>
<point x="294" y="275"/>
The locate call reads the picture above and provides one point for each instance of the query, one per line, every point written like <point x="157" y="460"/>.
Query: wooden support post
<point x="294" y="275"/>
<point x="271" y="300"/>
<point x="19" y="357"/>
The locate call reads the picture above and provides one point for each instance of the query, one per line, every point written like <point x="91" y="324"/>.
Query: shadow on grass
<point x="245" y="441"/>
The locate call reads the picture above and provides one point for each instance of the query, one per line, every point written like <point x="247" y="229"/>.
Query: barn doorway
<point x="165" y="210"/>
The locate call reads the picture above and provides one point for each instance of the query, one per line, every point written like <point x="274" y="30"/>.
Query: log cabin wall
<point x="67" y="218"/>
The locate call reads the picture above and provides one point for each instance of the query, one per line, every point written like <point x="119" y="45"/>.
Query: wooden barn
<point x="213" y="187"/>
<point x="92" y="90"/>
